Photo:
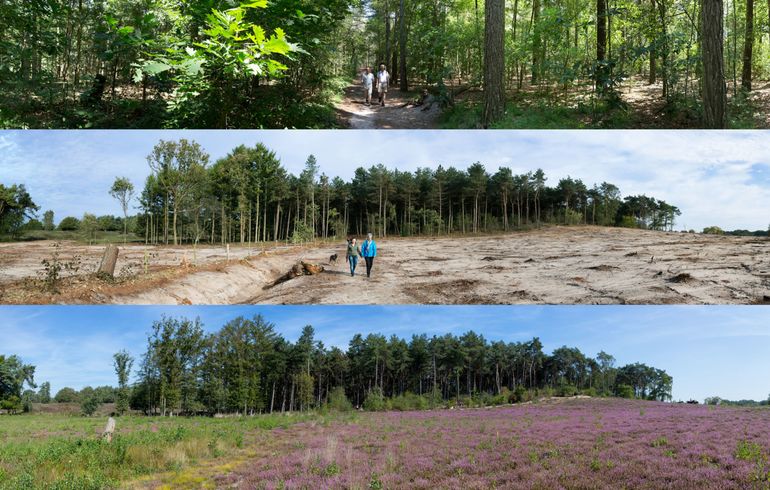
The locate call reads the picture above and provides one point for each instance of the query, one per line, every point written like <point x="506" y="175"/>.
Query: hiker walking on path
<point x="367" y="80"/>
<point x="369" y="252"/>
<point x="352" y="255"/>
<point x="383" y="79"/>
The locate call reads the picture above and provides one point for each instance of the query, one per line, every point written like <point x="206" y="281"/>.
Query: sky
<point x="717" y="178"/>
<point x="714" y="350"/>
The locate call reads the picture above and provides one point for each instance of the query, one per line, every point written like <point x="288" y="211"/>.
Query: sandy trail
<point x="555" y="265"/>
<point x="393" y="116"/>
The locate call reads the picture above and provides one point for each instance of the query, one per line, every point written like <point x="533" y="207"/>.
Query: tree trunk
<point x="748" y="46"/>
<point x="536" y="42"/>
<point x="387" y="35"/>
<point x="494" y="61"/>
<point x="714" y="89"/>
<point x="403" y="83"/>
<point x="601" y="44"/>
<point x="109" y="260"/>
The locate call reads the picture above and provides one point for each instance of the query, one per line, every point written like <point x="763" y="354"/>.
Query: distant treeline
<point x="248" y="196"/>
<point x="247" y="367"/>
<point x="715" y="400"/>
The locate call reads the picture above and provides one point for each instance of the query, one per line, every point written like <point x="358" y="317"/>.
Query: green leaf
<point x="257" y="4"/>
<point x="192" y="67"/>
<point x="155" y="67"/>
<point x="138" y="75"/>
<point x="277" y="45"/>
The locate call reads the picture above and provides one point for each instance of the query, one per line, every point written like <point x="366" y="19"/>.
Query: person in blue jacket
<point x="369" y="252"/>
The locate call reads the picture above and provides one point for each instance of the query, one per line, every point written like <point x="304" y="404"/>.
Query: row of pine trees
<point x="248" y="197"/>
<point x="247" y="367"/>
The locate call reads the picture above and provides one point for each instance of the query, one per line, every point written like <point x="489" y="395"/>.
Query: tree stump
<point x="109" y="430"/>
<point x="109" y="260"/>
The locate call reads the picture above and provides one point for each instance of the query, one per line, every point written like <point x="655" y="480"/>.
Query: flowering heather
<point x="561" y="443"/>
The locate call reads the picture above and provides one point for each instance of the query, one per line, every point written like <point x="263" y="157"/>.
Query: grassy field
<point x="61" y="451"/>
<point x="100" y="237"/>
<point x="550" y="443"/>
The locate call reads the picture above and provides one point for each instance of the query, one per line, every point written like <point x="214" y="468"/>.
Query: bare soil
<point x="399" y="111"/>
<point x="553" y="265"/>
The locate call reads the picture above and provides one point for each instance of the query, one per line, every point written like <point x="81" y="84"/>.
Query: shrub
<point x="748" y="451"/>
<point x="589" y="391"/>
<point x="375" y="401"/>
<point x="338" y="401"/>
<point x="33" y="225"/>
<point x="519" y="395"/>
<point x="566" y="390"/>
<point x="66" y="395"/>
<point x="624" y="391"/>
<point x="89" y="405"/>
<point x="302" y="233"/>
<point x="628" y="222"/>
<point x="69" y="223"/>
<point x="409" y="401"/>
<point x="713" y="230"/>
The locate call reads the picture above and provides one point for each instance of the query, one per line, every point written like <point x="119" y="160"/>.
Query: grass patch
<point x="61" y="451"/>
<point x="539" y="115"/>
<point x="100" y="237"/>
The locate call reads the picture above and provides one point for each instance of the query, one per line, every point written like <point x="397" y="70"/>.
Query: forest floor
<point x="399" y="111"/>
<point x="551" y="265"/>
<point x="642" y="106"/>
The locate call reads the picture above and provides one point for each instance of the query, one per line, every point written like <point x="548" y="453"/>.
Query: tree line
<point x="248" y="196"/>
<point x="247" y="367"/>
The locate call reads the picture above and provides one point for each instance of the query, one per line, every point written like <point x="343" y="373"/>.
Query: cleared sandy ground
<point x="555" y="265"/>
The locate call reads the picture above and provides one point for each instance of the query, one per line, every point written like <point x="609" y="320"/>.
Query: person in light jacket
<point x="369" y="252"/>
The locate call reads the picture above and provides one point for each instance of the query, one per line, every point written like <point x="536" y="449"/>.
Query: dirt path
<point x="555" y="265"/>
<point x="398" y="113"/>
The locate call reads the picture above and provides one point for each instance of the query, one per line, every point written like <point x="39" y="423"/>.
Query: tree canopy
<point x="248" y="196"/>
<point x="247" y="367"/>
<point x="14" y="376"/>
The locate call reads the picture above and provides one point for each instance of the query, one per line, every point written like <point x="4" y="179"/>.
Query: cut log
<point x="109" y="260"/>
<point x="311" y="269"/>
<point x="109" y="430"/>
<point x="301" y="268"/>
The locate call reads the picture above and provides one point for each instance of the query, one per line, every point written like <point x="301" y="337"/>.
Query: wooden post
<point x="109" y="430"/>
<point x="109" y="260"/>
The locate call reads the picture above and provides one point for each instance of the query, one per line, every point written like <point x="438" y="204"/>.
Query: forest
<point x="286" y="63"/>
<point x="248" y="196"/>
<point x="247" y="367"/>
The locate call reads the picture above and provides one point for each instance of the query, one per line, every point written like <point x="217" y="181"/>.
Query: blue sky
<point x="715" y="177"/>
<point x="714" y="350"/>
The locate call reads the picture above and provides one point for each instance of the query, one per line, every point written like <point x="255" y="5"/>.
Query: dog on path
<point x="333" y="259"/>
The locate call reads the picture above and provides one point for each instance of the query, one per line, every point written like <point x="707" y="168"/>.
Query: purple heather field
<point x="559" y="443"/>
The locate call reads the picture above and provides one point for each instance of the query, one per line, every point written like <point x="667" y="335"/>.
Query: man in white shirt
<point x="367" y="79"/>
<point x="383" y="79"/>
